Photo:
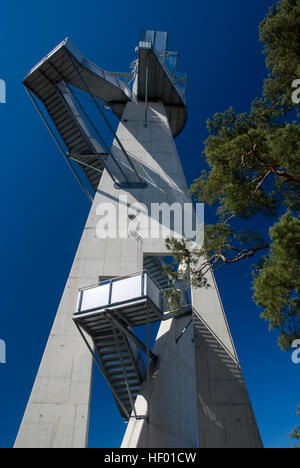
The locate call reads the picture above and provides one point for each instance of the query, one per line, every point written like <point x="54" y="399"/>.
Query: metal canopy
<point x="53" y="81"/>
<point x="59" y="65"/>
<point x="156" y="83"/>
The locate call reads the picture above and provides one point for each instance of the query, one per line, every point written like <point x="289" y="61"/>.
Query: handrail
<point x="112" y="280"/>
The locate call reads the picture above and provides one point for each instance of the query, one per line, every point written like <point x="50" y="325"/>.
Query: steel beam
<point x="30" y="94"/>
<point x="131" y="335"/>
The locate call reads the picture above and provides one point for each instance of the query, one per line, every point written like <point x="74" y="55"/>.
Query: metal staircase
<point x="122" y="366"/>
<point x="53" y="81"/>
<point x="75" y="137"/>
<point x="52" y="85"/>
<point x="108" y="313"/>
<point x="154" y="265"/>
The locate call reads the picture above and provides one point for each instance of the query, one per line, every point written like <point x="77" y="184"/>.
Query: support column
<point x="226" y="418"/>
<point x="57" y="413"/>
<point x="169" y="403"/>
<point x="200" y="370"/>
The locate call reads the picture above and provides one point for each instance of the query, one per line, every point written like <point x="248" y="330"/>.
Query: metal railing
<point x="117" y="278"/>
<point x="118" y="291"/>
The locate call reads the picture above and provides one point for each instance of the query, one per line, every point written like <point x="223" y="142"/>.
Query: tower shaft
<point x="196" y="395"/>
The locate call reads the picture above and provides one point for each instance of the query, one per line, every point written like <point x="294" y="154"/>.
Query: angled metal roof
<point x="50" y="81"/>
<point x="54" y="79"/>
<point x="60" y="65"/>
<point x="160" y="86"/>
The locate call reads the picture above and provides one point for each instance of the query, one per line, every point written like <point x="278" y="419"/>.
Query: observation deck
<point x="52" y="86"/>
<point x="53" y="81"/>
<point x="109" y="312"/>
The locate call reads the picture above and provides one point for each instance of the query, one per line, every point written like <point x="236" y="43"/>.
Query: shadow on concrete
<point x="226" y="418"/>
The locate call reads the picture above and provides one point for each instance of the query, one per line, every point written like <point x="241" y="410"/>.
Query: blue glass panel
<point x="180" y="85"/>
<point x="149" y="36"/>
<point x="160" y="42"/>
<point x="171" y="62"/>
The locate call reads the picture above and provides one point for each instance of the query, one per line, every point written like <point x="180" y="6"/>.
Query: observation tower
<point x="187" y="390"/>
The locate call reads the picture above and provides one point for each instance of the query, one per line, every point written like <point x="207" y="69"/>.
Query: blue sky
<point x="44" y="211"/>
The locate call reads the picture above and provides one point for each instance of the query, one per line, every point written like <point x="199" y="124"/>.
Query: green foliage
<point x="277" y="285"/>
<point x="254" y="165"/>
<point x="296" y="433"/>
<point x="253" y="170"/>
<point x="175" y="303"/>
<point x="280" y="33"/>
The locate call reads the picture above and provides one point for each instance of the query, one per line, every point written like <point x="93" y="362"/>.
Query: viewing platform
<point x="108" y="312"/>
<point x="135" y="298"/>
<point x="53" y="86"/>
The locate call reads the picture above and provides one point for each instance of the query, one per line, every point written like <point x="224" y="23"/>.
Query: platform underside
<point x="161" y="88"/>
<point x="134" y="314"/>
<point x="120" y="360"/>
<point x="52" y="81"/>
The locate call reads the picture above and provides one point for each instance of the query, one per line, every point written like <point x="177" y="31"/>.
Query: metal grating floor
<point x="58" y="71"/>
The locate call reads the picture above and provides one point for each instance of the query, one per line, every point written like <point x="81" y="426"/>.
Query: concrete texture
<point x="168" y="401"/>
<point x="57" y="413"/>
<point x="226" y="419"/>
<point x="58" y="410"/>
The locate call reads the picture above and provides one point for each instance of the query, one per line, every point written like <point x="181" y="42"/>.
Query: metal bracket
<point x="130" y="335"/>
<point x="183" y="331"/>
<point x="139" y="418"/>
<point x="131" y="185"/>
<point x="40" y="112"/>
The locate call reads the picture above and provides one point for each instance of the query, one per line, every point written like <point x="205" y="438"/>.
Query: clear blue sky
<point x="44" y="211"/>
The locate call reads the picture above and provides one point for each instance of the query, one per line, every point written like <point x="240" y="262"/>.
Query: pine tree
<point x="253" y="171"/>
<point x="296" y="433"/>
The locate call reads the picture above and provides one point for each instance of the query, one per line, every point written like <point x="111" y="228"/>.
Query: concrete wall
<point x="222" y="407"/>
<point x="168" y="402"/>
<point x="226" y="418"/>
<point x="58" y="410"/>
<point x="57" y="413"/>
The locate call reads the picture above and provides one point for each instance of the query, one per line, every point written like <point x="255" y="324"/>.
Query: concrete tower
<point x="188" y="391"/>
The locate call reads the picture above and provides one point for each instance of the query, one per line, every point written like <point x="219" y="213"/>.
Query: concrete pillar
<point x="219" y="413"/>
<point x="226" y="418"/>
<point x="168" y="403"/>
<point x="58" y="409"/>
<point x="57" y="413"/>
